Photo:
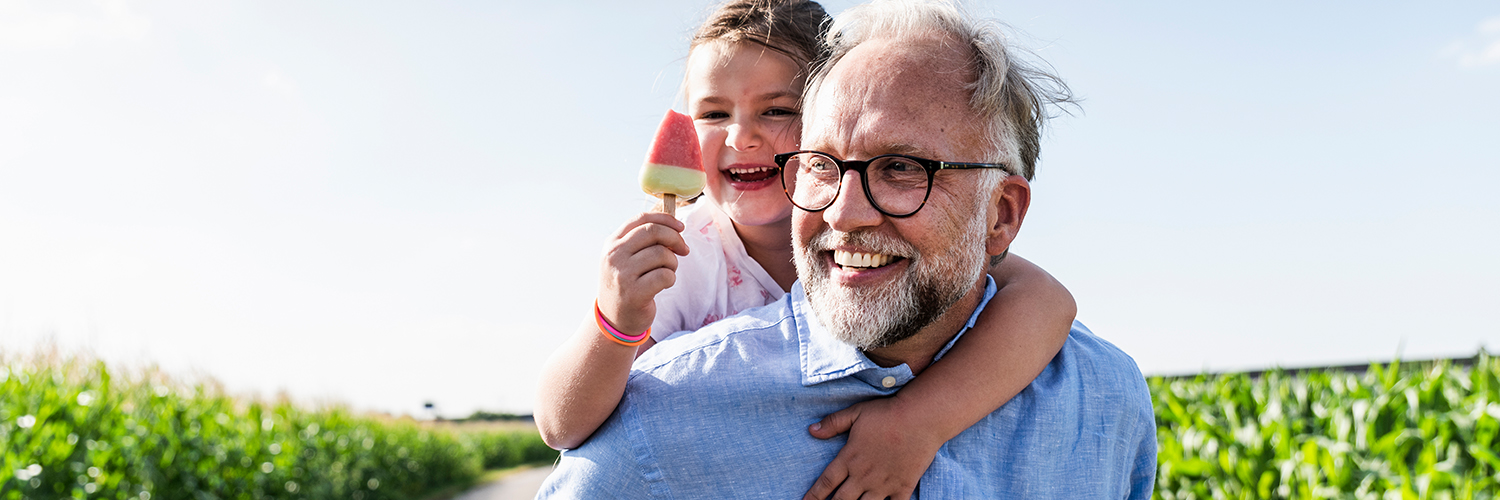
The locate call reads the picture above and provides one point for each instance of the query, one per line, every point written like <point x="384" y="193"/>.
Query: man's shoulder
<point x="1095" y="384"/>
<point x="1102" y="355"/>
<point x="1101" y="366"/>
<point x="1088" y="410"/>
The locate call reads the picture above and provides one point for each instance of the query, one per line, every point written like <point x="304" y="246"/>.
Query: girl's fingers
<point x="639" y="262"/>
<point x="647" y="235"/>
<point x="652" y="260"/>
<point x="835" y="423"/>
<point x="658" y="279"/>
<point x="631" y="282"/>
<point x="630" y="268"/>
<point x="848" y="491"/>
<point x="649" y="218"/>
<point x="832" y="477"/>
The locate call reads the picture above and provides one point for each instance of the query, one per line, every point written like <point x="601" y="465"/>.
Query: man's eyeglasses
<point x="896" y="185"/>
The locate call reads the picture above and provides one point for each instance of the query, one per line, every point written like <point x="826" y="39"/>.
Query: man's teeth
<point x="857" y="259"/>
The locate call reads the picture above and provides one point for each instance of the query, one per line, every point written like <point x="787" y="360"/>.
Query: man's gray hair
<point x="1010" y="95"/>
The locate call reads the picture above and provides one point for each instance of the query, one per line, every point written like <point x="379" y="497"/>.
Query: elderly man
<point x="897" y="220"/>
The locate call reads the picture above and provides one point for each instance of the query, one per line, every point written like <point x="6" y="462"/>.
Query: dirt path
<point x="519" y="486"/>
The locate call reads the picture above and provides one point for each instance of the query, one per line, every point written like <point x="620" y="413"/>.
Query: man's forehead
<point x="886" y="96"/>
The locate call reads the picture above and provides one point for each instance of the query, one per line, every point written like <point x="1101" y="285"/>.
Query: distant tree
<point x="485" y="416"/>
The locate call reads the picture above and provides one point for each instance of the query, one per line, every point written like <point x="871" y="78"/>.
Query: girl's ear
<point x="1006" y="211"/>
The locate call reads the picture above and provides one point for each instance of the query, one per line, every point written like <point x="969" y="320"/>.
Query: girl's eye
<point x="781" y="112"/>
<point x="713" y="115"/>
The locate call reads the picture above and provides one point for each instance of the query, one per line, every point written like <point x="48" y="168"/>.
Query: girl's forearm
<point x="581" y="385"/>
<point x="1017" y="335"/>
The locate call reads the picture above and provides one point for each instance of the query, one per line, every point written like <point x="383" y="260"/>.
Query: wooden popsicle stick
<point x="669" y="204"/>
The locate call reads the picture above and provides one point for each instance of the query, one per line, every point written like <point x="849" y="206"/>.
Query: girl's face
<point x="744" y="100"/>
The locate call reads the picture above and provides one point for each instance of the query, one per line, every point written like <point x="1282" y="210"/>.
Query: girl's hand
<point x="640" y="260"/>
<point x="884" y="457"/>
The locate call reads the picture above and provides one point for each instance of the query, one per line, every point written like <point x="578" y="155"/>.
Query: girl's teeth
<point x="752" y="174"/>
<point x="860" y="259"/>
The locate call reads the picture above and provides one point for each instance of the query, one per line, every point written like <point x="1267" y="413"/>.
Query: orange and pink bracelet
<point x="611" y="333"/>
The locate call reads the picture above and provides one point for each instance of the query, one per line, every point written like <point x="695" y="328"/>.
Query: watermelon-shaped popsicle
<point x="674" y="165"/>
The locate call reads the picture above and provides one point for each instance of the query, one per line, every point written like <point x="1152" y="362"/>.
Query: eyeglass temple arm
<point x="966" y="166"/>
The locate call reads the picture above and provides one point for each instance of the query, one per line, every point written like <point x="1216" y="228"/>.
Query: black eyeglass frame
<point x="931" y="166"/>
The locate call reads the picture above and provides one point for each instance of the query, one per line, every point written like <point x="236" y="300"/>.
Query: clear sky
<point x="387" y="203"/>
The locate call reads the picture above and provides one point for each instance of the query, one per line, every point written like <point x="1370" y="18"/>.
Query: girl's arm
<point x="893" y="440"/>
<point x="584" y="380"/>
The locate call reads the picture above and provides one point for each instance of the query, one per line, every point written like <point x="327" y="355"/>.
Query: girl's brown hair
<point x="792" y="27"/>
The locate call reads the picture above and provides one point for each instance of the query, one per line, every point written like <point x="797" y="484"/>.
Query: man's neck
<point x="918" y="350"/>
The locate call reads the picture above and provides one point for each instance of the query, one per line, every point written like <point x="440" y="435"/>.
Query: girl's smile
<point x="744" y="99"/>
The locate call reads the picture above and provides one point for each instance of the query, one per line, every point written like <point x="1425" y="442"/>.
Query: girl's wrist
<point x="615" y="335"/>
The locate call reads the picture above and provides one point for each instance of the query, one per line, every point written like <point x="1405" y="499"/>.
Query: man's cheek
<point x="954" y="213"/>
<point x="804" y="226"/>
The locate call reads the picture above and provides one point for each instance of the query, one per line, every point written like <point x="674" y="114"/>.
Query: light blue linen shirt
<point x="723" y="413"/>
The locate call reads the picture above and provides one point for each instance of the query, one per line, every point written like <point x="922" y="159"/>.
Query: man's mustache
<point x="870" y="241"/>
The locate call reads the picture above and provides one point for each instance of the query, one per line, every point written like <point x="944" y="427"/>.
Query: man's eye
<point x="820" y="166"/>
<point x="901" y="166"/>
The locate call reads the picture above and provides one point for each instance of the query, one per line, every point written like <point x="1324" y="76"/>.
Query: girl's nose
<point x="742" y="137"/>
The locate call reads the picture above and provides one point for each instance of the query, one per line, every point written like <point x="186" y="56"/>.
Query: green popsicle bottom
<point x="658" y="179"/>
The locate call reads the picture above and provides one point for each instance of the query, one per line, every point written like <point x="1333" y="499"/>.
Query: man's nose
<point x="742" y="136"/>
<point x="851" y="209"/>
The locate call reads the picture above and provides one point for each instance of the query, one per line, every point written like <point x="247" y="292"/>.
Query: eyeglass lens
<point x="897" y="185"/>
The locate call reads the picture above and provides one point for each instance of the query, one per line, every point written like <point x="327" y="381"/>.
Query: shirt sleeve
<point x="1143" y="470"/>
<point x="603" y="464"/>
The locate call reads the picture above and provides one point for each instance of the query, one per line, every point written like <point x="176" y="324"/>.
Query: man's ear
<point x="1007" y="209"/>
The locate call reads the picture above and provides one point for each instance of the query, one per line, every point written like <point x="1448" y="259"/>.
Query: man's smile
<point x="861" y="258"/>
<point x="848" y="259"/>
<point x="861" y="267"/>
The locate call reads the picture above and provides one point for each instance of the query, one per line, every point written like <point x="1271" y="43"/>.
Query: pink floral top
<point x="717" y="279"/>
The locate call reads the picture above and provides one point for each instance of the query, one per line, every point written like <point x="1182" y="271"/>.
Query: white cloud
<point x="277" y="81"/>
<point x="1489" y="45"/>
<point x="29" y="25"/>
<point x="1490" y="26"/>
<point x="1479" y="49"/>
<point x="1484" y="57"/>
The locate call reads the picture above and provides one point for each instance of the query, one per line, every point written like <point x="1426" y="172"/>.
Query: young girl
<point x="732" y="251"/>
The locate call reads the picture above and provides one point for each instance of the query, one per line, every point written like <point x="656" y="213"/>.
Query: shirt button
<point x="888" y="382"/>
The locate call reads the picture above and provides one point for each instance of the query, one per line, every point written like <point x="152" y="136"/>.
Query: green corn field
<point x="69" y="429"/>
<point x="1424" y="431"/>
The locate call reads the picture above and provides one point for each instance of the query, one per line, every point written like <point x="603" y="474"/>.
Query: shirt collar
<point x="825" y="357"/>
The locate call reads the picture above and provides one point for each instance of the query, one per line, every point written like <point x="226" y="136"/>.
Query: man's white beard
<point x="870" y="317"/>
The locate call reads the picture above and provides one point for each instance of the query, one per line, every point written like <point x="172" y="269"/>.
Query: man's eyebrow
<point x="901" y="148"/>
<point x="894" y="148"/>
